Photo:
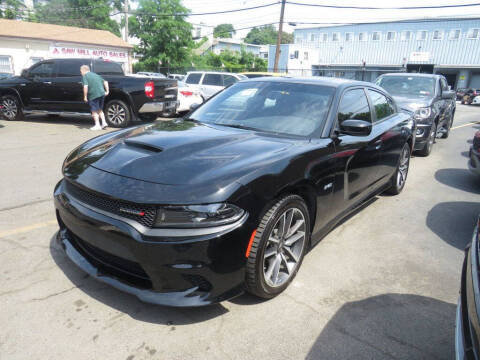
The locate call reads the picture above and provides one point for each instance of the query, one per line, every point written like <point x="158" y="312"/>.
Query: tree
<point x="12" y="9"/>
<point x="266" y="35"/>
<point x="230" y="61"/>
<point x="165" y="40"/>
<point x="91" y="14"/>
<point x="223" y="31"/>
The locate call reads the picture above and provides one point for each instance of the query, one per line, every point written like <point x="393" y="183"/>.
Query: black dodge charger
<point x="195" y="211"/>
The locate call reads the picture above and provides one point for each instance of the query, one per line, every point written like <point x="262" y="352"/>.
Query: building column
<point x="463" y="78"/>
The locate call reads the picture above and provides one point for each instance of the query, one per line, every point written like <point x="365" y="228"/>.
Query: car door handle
<point x="79" y="82"/>
<point x="378" y="144"/>
<point x="47" y="82"/>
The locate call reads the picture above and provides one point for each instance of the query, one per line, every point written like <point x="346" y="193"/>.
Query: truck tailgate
<point x="165" y="90"/>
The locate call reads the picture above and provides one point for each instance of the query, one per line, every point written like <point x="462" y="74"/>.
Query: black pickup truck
<point x="54" y="87"/>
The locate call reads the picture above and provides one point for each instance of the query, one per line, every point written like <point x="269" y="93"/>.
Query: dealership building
<point x="24" y="43"/>
<point x="448" y="46"/>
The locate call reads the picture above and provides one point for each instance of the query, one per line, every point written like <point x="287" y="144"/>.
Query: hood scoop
<point x="143" y="146"/>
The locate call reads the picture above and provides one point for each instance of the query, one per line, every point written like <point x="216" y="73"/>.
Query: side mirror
<point x="448" y="94"/>
<point x="24" y="73"/>
<point x="355" y="127"/>
<point x="194" y="106"/>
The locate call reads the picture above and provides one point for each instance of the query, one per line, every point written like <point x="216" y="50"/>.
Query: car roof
<point x="412" y="75"/>
<point x="316" y="80"/>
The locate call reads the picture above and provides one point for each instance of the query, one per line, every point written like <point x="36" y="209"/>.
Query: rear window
<point x="193" y="78"/>
<point x="213" y="79"/>
<point x="108" y="68"/>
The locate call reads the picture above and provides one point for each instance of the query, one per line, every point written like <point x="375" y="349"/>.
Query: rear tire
<point x="117" y="114"/>
<point x="427" y="149"/>
<point x="399" y="178"/>
<point x="12" y="109"/>
<point x="278" y="247"/>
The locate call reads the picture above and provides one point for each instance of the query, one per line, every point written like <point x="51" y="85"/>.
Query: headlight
<point x="197" y="215"/>
<point x="423" y="113"/>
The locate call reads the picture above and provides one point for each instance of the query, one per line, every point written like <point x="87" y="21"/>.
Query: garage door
<point x="475" y="81"/>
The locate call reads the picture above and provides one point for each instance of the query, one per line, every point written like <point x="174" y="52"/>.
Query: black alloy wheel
<point x="12" y="109"/>
<point x="278" y="247"/>
<point x="117" y="114"/>
<point x="399" y="178"/>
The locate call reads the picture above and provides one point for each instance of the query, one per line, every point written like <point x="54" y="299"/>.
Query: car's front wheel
<point x="399" y="178"/>
<point x="117" y="114"/>
<point x="278" y="247"/>
<point x="11" y="108"/>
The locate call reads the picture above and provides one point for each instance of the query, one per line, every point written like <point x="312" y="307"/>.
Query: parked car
<point x="178" y="77"/>
<point x="429" y="97"/>
<point x="469" y="96"/>
<point x="252" y="75"/>
<point x="55" y="87"/>
<point x="209" y="83"/>
<point x="476" y="100"/>
<point x="467" y="329"/>
<point x="196" y="210"/>
<point x="474" y="155"/>
<point x="151" y="74"/>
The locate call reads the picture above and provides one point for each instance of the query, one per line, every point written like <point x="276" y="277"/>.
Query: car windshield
<point x="408" y="85"/>
<point x="277" y="107"/>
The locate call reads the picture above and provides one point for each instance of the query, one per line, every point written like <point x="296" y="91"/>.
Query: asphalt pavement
<point x="383" y="285"/>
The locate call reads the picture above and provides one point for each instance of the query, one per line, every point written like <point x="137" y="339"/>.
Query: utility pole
<point x="125" y="9"/>
<point x="279" y="37"/>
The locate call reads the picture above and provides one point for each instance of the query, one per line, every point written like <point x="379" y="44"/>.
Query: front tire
<point x="117" y="114"/>
<point x="427" y="149"/>
<point x="278" y="247"/>
<point x="399" y="178"/>
<point x="12" y="110"/>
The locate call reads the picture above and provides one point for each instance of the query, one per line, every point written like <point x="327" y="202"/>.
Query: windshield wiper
<point x="236" y="126"/>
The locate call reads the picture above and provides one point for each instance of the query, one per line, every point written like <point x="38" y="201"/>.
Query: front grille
<point x="126" y="270"/>
<point x="102" y="202"/>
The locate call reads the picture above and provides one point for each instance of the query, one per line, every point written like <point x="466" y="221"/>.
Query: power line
<point x="384" y="8"/>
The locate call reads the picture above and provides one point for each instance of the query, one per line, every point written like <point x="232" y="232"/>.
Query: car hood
<point x="178" y="153"/>
<point x="412" y="103"/>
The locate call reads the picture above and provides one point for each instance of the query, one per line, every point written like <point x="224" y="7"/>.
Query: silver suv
<point x="208" y="83"/>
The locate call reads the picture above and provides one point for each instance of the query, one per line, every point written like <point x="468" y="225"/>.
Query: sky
<point x="295" y="13"/>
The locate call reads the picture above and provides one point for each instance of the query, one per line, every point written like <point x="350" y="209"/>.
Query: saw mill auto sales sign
<point x="72" y="52"/>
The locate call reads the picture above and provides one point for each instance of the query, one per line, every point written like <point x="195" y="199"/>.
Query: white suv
<point x="208" y="83"/>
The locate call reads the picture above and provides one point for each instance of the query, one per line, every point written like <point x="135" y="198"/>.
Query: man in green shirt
<point x="94" y="91"/>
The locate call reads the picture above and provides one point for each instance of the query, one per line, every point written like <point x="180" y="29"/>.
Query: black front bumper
<point x="174" y="267"/>
<point x="421" y="138"/>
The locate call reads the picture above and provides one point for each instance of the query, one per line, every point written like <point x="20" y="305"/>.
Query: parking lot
<point x="382" y="285"/>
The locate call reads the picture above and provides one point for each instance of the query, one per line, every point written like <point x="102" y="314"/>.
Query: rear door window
<point x="70" y="68"/>
<point x="193" y="78"/>
<point x="213" y="79"/>
<point x="354" y="105"/>
<point x="107" y="68"/>
<point x="383" y="106"/>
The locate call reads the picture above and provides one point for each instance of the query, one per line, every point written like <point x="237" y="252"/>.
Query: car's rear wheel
<point x="12" y="110"/>
<point x="117" y="114"/>
<point x="278" y="247"/>
<point x="399" y="178"/>
<point x="427" y="149"/>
